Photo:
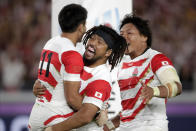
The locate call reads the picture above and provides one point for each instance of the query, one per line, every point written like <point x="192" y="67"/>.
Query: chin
<point x="80" y="40"/>
<point x="127" y="52"/>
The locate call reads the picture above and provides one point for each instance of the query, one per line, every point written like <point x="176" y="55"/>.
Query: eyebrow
<point x="98" y="37"/>
<point x="122" y="31"/>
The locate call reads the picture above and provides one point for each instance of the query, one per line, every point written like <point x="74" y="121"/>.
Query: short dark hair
<point x="140" y="24"/>
<point x="71" y="16"/>
<point x="118" y="47"/>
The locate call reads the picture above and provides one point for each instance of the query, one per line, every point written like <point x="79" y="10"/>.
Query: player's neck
<point x="96" y="63"/>
<point x="70" y="36"/>
<point x="140" y="52"/>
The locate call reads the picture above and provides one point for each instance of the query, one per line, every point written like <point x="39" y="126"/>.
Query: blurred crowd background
<point x="25" y="26"/>
<point x="173" y="25"/>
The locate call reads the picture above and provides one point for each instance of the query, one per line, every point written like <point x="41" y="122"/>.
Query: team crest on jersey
<point x="135" y="72"/>
<point x="98" y="94"/>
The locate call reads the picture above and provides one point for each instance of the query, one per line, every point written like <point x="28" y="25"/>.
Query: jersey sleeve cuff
<point x="72" y="77"/>
<point x="93" y="101"/>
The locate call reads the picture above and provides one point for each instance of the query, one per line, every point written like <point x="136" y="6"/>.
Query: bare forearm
<point x="75" y="101"/>
<point x="166" y="92"/>
<point x="163" y="92"/>
<point x="72" y="96"/>
<point x="82" y="117"/>
<point x="69" y="124"/>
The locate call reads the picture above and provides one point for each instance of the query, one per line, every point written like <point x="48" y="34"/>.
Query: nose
<point x="91" y="43"/>
<point x="125" y="36"/>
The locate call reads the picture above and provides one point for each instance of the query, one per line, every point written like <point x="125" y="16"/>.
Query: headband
<point x="107" y="38"/>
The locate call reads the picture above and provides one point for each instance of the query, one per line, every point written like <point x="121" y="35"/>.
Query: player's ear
<point x="108" y="52"/>
<point x="81" y="28"/>
<point x="144" y="38"/>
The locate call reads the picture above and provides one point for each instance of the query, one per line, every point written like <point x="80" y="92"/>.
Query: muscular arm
<point x="171" y="83"/>
<point x="164" y="93"/>
<point x="96" y="93"/>
<point x="170" y="87"/>
<point x="73" y="65"/>
<point x="84" y="116"/>
<point x="71" y="91"/>
<point x="166" y="73"/>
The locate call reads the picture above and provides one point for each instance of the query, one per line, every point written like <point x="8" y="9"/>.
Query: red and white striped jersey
<point x="96" y="85"/>
<point x="145" y="68"/>
<point x="59" y="62"/>
<point x="96" y="89"/>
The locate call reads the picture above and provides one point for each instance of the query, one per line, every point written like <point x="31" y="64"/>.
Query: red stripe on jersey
<point x="50" y="79"/>
<point x="85" y="75"/>
<point x="148" y="80"/>
<point x="145" y="71"/>
<point x="130" y="64"/>
<point x="73" y="62"/>
<point x="128" y="83"/>
<point x="130" y="103"/>
<point x="54" y="59"/>
<point x="41" y="101"/>
<point x="99" y="89"/>
<point x="158" y="61"/>
<point x="126" y="104"/>
<point x="132" y="81"/>
<point x="57" y="116"/>
<point x="133" y="115"/>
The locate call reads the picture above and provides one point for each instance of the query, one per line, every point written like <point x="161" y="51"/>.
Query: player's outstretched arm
<point x="84" y="116"/>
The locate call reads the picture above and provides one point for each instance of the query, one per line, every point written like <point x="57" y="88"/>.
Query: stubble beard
<point x="90" y="62"/>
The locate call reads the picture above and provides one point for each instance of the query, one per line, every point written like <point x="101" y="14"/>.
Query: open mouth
<point x="90" y="51"/>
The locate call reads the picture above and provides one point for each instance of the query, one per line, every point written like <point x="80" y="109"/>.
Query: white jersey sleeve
<point x="73" y="65"/>
<point x="97" y="92"/>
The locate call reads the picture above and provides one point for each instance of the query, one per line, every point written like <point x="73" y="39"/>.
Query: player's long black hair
<point x="117" y="43"/>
